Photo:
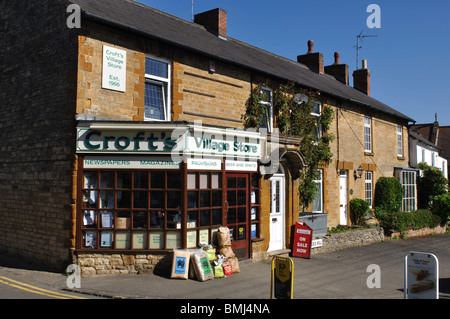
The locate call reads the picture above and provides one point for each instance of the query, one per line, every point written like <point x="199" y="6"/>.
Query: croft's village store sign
<point x="165" y="146"/>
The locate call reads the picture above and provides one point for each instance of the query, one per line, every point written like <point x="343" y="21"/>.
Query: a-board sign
<point x="421" y="276"/>
<point x="302" y="240"/>
<point x="282" y="278"/>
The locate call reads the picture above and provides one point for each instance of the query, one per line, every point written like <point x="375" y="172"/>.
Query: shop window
<point x="157" y="89"/>
<point x="131" y="210"/>
<point x="254" y="205"/>
<point x="204" y="207"/>
<point x="160" y="210"/>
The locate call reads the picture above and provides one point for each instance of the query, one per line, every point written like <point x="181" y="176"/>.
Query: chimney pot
<point x="336" y="57"/>
<point x="310" y="46"/>
<point x="364" y="64"/>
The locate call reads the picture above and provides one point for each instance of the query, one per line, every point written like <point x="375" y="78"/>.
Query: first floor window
<point x="155" y="101"/>
<point x="317" y="203"/>
<point x="368" y="187"/>
<point x="267" y="116"/>
<point x="399" y="140"/>
<point x="157" y="89"/>
<point x="367" y="134"/>
<point x="316" y="113"/>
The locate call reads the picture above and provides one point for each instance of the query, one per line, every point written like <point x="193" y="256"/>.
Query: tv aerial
<point x="359" y="39"/>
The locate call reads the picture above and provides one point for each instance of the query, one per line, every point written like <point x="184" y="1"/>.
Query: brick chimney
<point x="435" y="131"/>
<point x="313" y="60"/>
<point x="361" y="79"/>
<point x="215" y="21"/>
<point x="338" y="70"/>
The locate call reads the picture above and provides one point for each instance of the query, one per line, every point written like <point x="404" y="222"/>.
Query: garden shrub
<point x="441" y="207"/>
<point x="359" y="209"/>
<point x="432" y="183"/>
<point x="388" y="194"/>
<point x="402" y="221"/>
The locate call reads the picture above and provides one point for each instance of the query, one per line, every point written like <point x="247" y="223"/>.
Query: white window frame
<point x="399" y="140"/>
<point x="269" y="109"/>
<point x="317" y="116"/>
<point x="368" y="183"/>
<point x="408" y="181"/>
<point x="319" y="182"/>
<point x="367" y="134"/>
<point x="165" y="83"/>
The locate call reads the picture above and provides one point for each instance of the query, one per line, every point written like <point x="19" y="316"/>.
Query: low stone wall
<point x="104" y="264"/>
<point x="354" y="238"/>
<point x="418" y="232"/>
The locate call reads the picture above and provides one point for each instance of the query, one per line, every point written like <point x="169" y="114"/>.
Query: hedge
<point x="388" y="194"/>
<point x="441" y="207"/>
<point x="402" y="221"/>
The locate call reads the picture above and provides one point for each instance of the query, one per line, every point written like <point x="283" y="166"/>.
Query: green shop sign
<point x="178" y="141"/>
<point x="97" y="141"/>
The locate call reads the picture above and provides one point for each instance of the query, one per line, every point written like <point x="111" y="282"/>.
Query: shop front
<point x="149" y="188"/>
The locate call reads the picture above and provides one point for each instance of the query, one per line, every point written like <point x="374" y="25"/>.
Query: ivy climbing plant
<point x="298" y="113"/>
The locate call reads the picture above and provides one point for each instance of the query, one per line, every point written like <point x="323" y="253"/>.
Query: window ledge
<point x="401" y="158"/>
<point x="369" y="154"/>
<point x="257" y="239"/>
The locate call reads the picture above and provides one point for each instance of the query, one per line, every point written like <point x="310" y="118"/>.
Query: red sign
<point x="302" y="240"/>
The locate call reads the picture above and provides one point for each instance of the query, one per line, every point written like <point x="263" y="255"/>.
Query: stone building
<point x="123" y="138"/>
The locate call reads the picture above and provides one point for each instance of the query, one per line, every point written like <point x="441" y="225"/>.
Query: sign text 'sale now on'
<point x="302" y="240"/>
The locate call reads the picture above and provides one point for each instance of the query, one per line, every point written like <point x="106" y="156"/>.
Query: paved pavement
<point x="336" y="275"/>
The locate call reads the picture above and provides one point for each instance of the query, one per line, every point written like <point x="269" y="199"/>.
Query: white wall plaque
<point x="114" y="69"/>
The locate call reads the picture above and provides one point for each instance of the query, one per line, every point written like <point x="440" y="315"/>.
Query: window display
<point x="160" y="209"/>
<point x="121" y="211"/>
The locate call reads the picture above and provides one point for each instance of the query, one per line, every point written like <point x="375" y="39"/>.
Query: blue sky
<point x="409" y="60"/>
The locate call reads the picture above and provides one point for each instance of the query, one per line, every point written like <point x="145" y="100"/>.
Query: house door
<point x="343" y="203"/>
<point x="237" y="215"/>
<point x="277" y="213"/>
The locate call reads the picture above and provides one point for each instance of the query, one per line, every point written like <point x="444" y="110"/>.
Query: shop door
<point x="237" y="215"/>
<point x="276" y="213"/>
<point x="343" y="198"/>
